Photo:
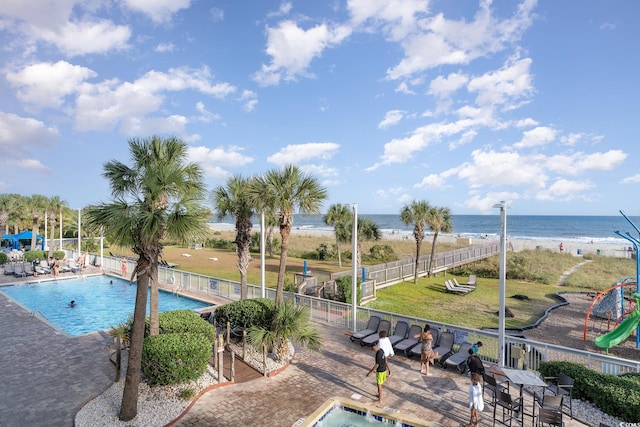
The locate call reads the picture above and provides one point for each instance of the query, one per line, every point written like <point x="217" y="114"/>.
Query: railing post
<point x="220" y="356"/>
<point x="233" y="367"/>
<point x="264" y="359"/>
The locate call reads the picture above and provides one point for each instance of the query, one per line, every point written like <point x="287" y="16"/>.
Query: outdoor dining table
<point x="523" y="377"/>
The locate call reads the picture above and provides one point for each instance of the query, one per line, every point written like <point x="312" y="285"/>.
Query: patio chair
<point x="413" y="338"/>
<point x="417" y="350"/>
<point x="550" y="417"/>
<point x="511" y="409"/>
<point x="372" y="327"/>
<point x="562" y="385"/>
<point x="490" y="384"/>
<point x="459" y="358"/>
<point x="383" y="325"/>
<point x="550" y="403"/>
<point x="458" y="285"/>
<point x="472" y="280"/>
<point x="400" y="332"/>
<point x="444" y="347"/>
<point x="9" y="268"/>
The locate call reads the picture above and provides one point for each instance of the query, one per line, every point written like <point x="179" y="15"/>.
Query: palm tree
<point x="439" y="220"/>
<point x="367" y="231"/>
<point x="290" y="322"/>
<point x="233" y="199"/>
<point x="7" y="203"/>
<point x="339" y="216"/>
<point x="158" y="197"/>
<point x="287" y="190"/>
<point x="416" y="213"/>
<point x="54" y="208"/>
<point x="36" y="206"/>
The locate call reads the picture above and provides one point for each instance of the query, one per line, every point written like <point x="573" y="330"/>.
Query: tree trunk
<point x="433" y="253"/>
<point x="129" y="406"/>
<point x="285" y="232"/>
<point x="418" y="251"/>
<point x="243" y="246"/>
<point x="339" y="258"/>
<point x="154" y="321"/>
<point x="118" y="358"/>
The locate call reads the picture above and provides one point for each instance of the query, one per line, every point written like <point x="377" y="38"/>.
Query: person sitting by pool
<point x="72" y="303"/>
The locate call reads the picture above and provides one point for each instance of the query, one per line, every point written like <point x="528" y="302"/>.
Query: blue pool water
<point x="99" y="304"/>
<point x="344" y="416"/>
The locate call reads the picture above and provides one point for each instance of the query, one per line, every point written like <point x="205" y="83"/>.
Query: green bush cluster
<point x="29" y="256"/>
<point x="615" y="395"/>
<point x="182" y="322"/>
<point x="175" y="358"/>
<point x="3" y="258"/>
<point x="246" y="313"/>
<point x="344" y="289"/>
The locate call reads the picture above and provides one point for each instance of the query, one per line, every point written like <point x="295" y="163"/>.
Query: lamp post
<point x="503" y="288"/>
<point x="354" y="271"/>
<point x="262" y="249"/>
<point x="79" y="233"/>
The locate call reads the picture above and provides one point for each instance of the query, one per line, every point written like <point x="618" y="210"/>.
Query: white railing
<point x="338" y="314"/>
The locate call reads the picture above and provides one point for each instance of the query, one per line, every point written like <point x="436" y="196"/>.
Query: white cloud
<point x="484" y="203"/>
<point x="442" y="87"/>
<point x="578" y="163"/>
<point x="20" y="134"/>
<point x="292" y="49"/>
<point x="510" y="83"/>
<point x="159" y="11"/>
<point x="563" y="189"/>
<point x="85" y="37"/>
<point x="216" y="161"/>
<point x="392" y="118"/>
<point x="633" y="179"/>
<point x="541" y="135"/>
<point x="45" y="84"/>
<point x="165" y="47"/>
<point x="296" y="153"/>
<point x="431" y="181"/>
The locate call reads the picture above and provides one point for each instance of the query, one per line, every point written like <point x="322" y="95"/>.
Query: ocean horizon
<point x="560" y="228"/>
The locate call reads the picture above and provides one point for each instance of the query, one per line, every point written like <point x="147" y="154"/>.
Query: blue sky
<point x="460" y="103"/>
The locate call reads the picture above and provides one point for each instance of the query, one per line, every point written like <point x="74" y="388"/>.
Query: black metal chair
<point x="547" y="403"/>
<point x="511" y="409"/>
<point x="550" y="417"/>
<point x="563" y="386"/>
<point x="490" y="384"/>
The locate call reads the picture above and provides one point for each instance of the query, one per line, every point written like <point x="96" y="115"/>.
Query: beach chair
<point x="400" y="332"/>
<point x="413" y="338"/>
<point x="452" y="288"/>
<point x="384" y="325"/>
<point x="472" y="280"/>
<point x="459" y="358"/>
<point x="458" y="285"/>
<point x="444" y="347"/>
<point x="372" y="327"/>
<point x="9" y="268"/>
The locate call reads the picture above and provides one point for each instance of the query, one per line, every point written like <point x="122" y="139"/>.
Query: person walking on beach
<point x="385" y="344"/>
<point x="380" y="368"/>
<point x="426" y="352"/>
<point x="561" y="247"/>
<point x="476" y="402"/>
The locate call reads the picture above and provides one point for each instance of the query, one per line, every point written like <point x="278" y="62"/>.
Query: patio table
<point x="523" y="377"/>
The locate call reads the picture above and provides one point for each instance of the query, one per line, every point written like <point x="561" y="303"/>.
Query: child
<point x="385" y="344"/>
<point x="380" y="368"/>
<point x="476" y="402"/>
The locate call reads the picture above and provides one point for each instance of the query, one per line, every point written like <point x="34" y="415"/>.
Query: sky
<point x="460" y="103"/>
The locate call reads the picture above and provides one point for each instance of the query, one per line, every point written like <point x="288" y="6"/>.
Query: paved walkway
<point x="47" y="377"/>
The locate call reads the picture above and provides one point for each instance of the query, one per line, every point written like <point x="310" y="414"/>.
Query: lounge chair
<point x="408" y="343"/>
<point x="64" y="268"/>
<point x="417" y="350"/>
<point x="458" y="285"/>
<point x="384" y="325"/>
<point x="9" y="268"/>
<point x="459" y="358"/>
<point x="452" y="288"/>
<point x="472" y="280"/>
<point x="372" y="327"/>
<point x="399" y="333"/>
<point x="74" y="266"/>
<point x="445" y="346"/>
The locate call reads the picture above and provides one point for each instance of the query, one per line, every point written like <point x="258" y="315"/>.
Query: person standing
<point x="476" y="402"/>
<point x="476" y="347"/>
<point x="426" y="352"/>
<point x="385" y="344"/>
<point x="561" y="247"/>
<point x="380" y="368"/>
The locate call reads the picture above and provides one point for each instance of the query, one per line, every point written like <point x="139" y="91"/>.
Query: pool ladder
<point x="34" y="313"/>
<point x="177" y="289"/>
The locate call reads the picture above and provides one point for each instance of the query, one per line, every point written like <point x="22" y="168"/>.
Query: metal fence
<point x="529" y="354"/>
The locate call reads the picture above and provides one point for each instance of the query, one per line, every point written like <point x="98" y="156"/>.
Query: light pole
<point x="502" y="274"/>
<point x="354" y="271"/>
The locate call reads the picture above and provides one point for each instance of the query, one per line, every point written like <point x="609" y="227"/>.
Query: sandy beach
<point x="517" y="245"/>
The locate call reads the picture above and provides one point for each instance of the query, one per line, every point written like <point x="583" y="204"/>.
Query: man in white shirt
<point x="385" y="344"/>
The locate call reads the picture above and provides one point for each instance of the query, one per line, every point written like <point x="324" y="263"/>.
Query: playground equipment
<point x="631" y="322"/>
<point x="623" y="330"/>
<point x="609" y="307"/>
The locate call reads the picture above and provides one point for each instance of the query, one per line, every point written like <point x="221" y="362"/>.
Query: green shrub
<point x="344" y="288"/>
<point x="29" y="256"/>
<point x="175" y="358"/>
<point x="615" y="395"/>
<point x="246" y="313"/>
<point x="3" y="258"/>
<point x="183" y="321"/>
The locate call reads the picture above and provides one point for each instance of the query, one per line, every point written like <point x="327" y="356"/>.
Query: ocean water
<point x="578" y="229"/>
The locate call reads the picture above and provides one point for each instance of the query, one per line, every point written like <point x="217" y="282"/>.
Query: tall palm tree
<point x="54" y="208"/>
<point x="36" y="206"/>
<point x="339" y="217"/>
<point x="287" y="190"/>
<point x="159" y="196"/>
<point x="416" y="213"/>
<point x="233" y="199"/>
<point x="7" y="203"/>
<point x="439" y="220"/>
<point x="367" y="231"/>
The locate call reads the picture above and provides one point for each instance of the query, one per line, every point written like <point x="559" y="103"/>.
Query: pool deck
<point x="47" y="377"/>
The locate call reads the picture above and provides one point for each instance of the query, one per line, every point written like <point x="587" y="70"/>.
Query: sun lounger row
<point x="405" y="339"/>
<point x="457" y="288"/>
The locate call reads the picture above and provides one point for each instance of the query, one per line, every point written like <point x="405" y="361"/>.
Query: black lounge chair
<point x="399" y="333"/>
<point x="459" y="358"/>
<point x="444" y="347"/>
<point x="384" y="325"/>
<point x="372" y="328"/>
<point x="408" y="343"/>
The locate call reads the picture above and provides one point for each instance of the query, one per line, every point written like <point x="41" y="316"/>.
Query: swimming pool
<point x="338" y="412"/>
<point x="99" y="304"/>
